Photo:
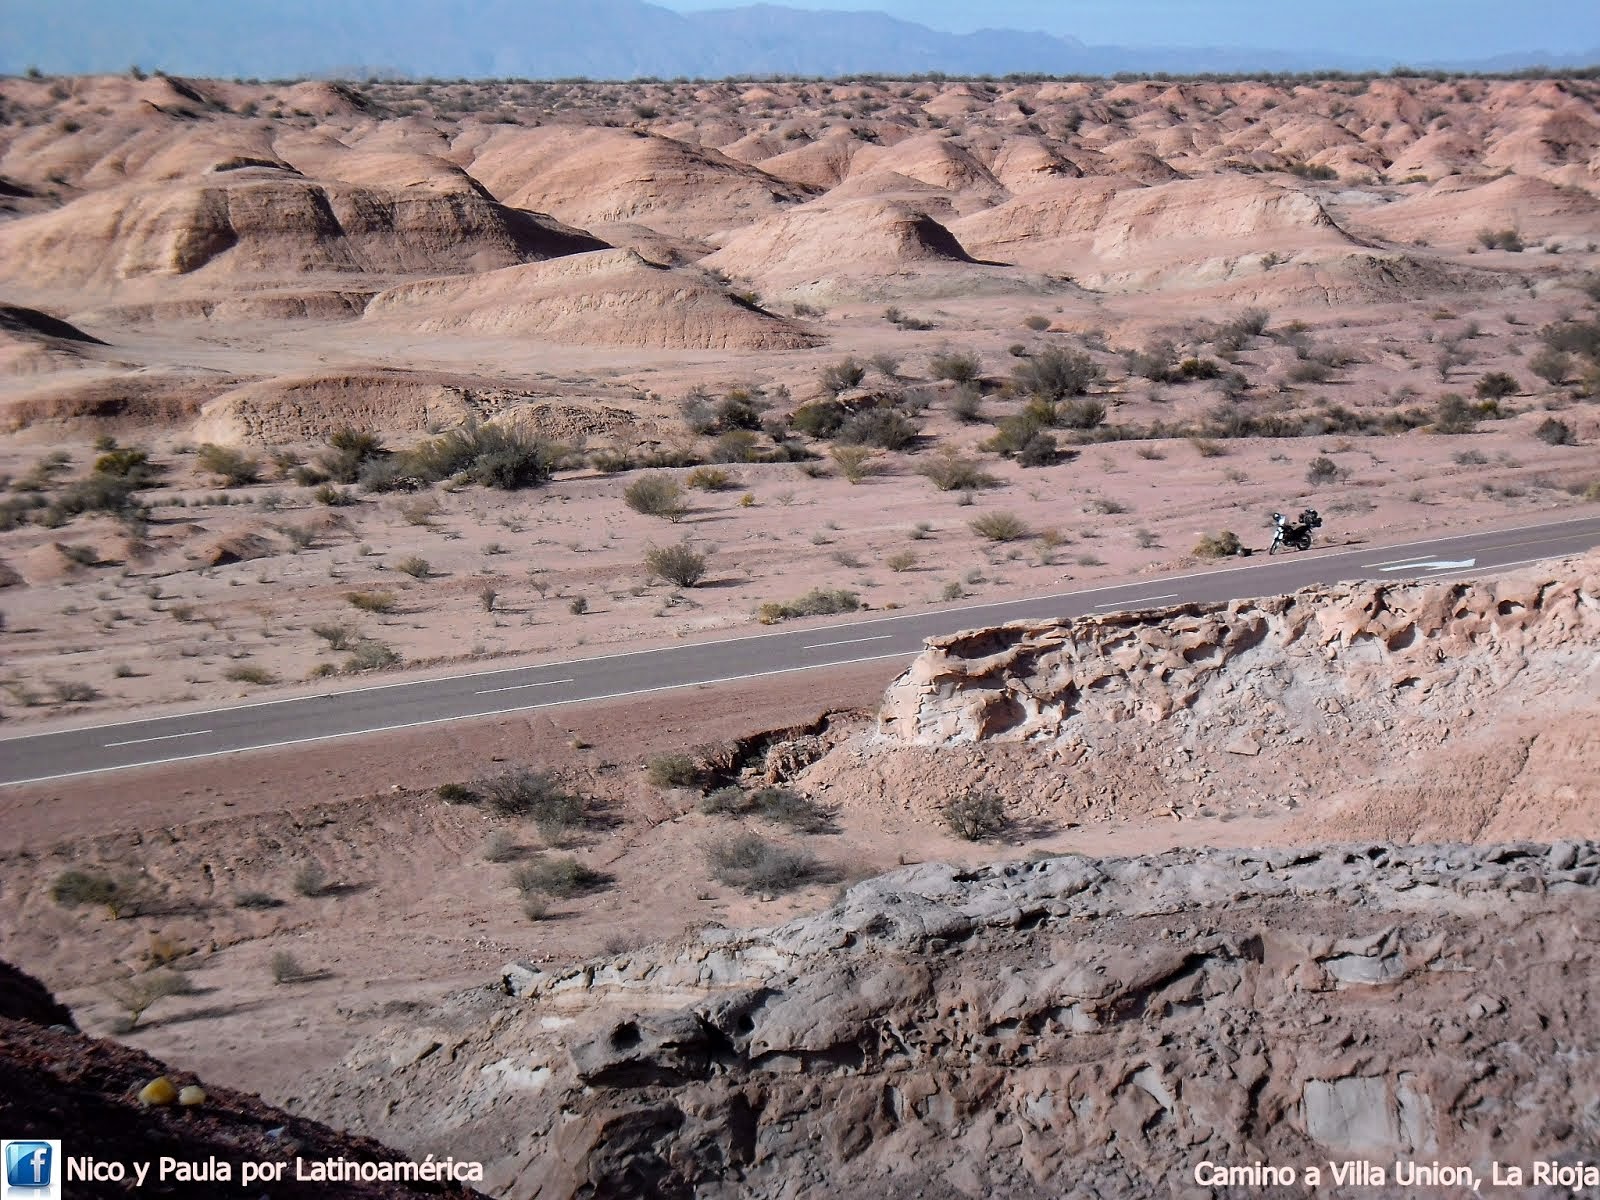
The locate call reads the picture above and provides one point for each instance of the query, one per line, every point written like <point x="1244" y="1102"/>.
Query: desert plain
<point x="311" y="386"/>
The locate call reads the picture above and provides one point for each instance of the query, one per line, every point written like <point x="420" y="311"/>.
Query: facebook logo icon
<point x="31" y="1169"/>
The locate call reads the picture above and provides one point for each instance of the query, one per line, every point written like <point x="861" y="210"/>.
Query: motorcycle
<point x="1296" y="534"/>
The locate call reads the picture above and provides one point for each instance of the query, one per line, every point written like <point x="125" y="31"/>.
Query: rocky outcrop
<point x="1067" y="1027"/>
<point x="1288" y="663"/>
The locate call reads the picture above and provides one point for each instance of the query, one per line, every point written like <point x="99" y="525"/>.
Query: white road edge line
<point x="1137" y="600"/>
<point x="517" y="687"/>
<point x="476" y="716"/>
<point x="166" y="738"/>
<point x="882" y="637"/>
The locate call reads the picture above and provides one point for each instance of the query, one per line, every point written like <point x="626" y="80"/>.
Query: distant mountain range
<point x="600" y="39"/>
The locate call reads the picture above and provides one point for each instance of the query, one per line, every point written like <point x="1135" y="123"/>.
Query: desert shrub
<point x="1573" y="337"/>
<point x="676" y="771"/>
<point x="901" y="561"/>
<point x="1199" y="368"/>
<point x="334" y="497"/>
<point x="1154" y="362"/>
<point x="1310" y="370"/>
<point x="1321" y="470"/>
<point x="415" y="566"/>
<point x="778" y="804"/>
<point x="535" y="795"/>
<point x="887" y="365"/>
<point x="682" y="564"/>
<point x="256" y="900"/>
<point x="456" y="793"/>
<point x="311" y="879"/>
<point x="562" y="876"/>
<point x="880" y="427"/>
<point x="611" y="461"/>
<point x="949" y="471"/>
<point x="855" y="463"/>
<point x="129" y="463"/>
<point x="817" y="602"/>
<point x="369" y="654"/>
<point x="1220" y="545"/>
<point x="1000" y="527"/>
<point x="974" y="815"/>
<point x="819" y="419"/>
<point x="578" y="606"/>
<point x="1080" y="414"/>
<point x="1056" y="373"/>
<point x="711" y="479"/>
<point x="1552" y="366"/>
<point x="656" y="496"/>
<point x="488" y="597"/>
<point x="956" y="367"/>
<point x="1496" y="385"/>
<point x="286" y="968"/>
<point x="1501" y="239"/>
<point x="1040" y="450"/>
<point x="1036" y="323"/>
<point x="843" y="375"/>
<point x="1453" y="414"/>
<point x="372" y="602"/>
<point x="348" y="451"/>
<point x="1555" y="433"/>
<point x="905" y="320"/>
<point x="119" y="896"/>
<point x="136" y="994"/>
<point x="233" y="467"/>
<point x="753" y="864"/>
<point x="735" y="446"/>
<point x="966" y="405"/>
<point x="248" y="673"/>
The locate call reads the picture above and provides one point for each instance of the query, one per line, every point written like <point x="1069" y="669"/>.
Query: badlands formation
<point x="305" y="386"/>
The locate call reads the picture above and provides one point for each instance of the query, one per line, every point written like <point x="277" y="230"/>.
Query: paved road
<point x="43" y="756"/>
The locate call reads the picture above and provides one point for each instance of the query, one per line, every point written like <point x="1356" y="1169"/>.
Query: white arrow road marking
<point x="165" y="738"/>
<point x="1431" y="564"/>
<point x="517" y="687"/>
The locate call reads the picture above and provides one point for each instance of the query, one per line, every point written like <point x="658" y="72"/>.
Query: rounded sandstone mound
<point x="609" y="298"/>
<point x="310" y="407"/>
<point x="264" y="222"/>
<point x="825" y="239"/>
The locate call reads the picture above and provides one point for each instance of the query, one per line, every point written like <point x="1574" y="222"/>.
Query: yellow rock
<point x="192" y="1095"/>
<point x="158" y="1091"/>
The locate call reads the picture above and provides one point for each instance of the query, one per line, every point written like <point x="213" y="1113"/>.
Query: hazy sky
<point x="1402" y="28"/>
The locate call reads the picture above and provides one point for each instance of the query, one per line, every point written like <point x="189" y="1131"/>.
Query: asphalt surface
<point x="31" y="758"/>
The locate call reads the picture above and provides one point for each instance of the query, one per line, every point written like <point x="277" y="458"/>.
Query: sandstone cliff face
<point x="1441" y="711"/>
<point x="1067" y="1027"/>
<point x="1290" y="661"/>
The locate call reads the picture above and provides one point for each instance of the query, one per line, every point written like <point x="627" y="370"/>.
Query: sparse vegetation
<point x="950" y="471"/>
<point x="676" y="771"/>
<point x="1000" y="527"/>
<point x="753" y="864"/>
<point x="120" y="896"/>
<point x="372" y="602"/>
<point x="975" y="815"/>
<point x="656" y="496"/>
<point x="538" y="796"/>
<point x="311" y="879"/>
<point x="562" y="876"/>
<point x="818" y="602"/>
<point x="1321" y="470"/>
<point x="136" y="994"/>
<point x="1553" y="432"/>
<point x="286" y="968"/>
<point x="233" y="467"/>
<point x="1219" y="545"/>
